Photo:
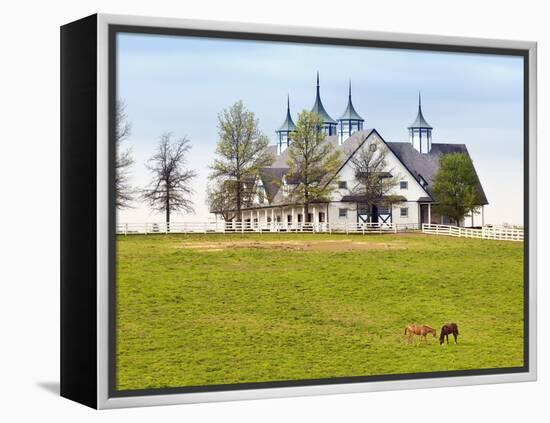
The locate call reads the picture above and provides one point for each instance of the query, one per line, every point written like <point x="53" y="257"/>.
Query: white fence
<point x="245" y="227"/>
<point x="503" y="234"/>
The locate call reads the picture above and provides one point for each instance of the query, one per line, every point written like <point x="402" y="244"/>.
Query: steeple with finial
<point x="350" y="121"/>
<point x="283" y="133"/>
<point x="329" y="124"/>
<point x="420" y="131"/>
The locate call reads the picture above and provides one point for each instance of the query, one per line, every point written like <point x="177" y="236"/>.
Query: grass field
<point x="216" y="309"/>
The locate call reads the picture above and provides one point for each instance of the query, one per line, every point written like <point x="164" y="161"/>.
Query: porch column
<point x="429" y="213"/>
<point x="482" y="216"/>
<point x="293" y="220"/>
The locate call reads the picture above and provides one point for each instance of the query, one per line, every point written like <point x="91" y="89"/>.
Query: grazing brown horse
<point x="420" y="330"/>
<point x="446" y="330"/>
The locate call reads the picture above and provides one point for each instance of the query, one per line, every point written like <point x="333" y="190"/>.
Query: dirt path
<point x="309" y="245"/>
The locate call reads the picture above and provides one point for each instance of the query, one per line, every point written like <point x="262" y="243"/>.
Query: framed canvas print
<point x="253" y="211"/>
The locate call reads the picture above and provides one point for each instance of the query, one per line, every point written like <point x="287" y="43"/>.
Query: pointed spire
<point x="288" y="124"/>
<point x="318" y="106"/>
<point x="350" y="113"/>
<point x="420" y="122"/>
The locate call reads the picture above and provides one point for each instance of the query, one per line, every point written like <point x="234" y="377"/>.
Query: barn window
<point x="404" y="185"/>
<point x="404" y="212"/>
<point x="343" y="212"/>
<point x="342" y="184"/>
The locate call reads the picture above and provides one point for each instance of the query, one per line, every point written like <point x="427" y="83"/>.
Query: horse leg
<point x="455" y="336"/>
<point x="447" y="337"/>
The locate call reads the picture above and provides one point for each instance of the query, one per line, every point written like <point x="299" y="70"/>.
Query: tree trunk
<point x="239" y="214"/>
<point x="167" y="210"/>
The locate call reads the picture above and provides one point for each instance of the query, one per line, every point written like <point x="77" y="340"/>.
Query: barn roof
<point x="420" y="166"/>
<point x="425" y="166"/>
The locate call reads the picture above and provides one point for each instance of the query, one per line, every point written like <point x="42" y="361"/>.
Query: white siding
<point x="412" y="193"/>
<point x="413" y="217"/>
<point x="333" y="212"/>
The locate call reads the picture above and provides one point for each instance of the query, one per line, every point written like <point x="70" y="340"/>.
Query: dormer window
<point x="422" y="181"/>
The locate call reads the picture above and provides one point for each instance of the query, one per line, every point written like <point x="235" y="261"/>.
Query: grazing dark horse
<point x="449" y="328"/>
<point x="420" y="330"/>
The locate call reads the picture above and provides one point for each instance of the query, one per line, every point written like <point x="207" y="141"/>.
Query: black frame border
<point x="114" y="29"/>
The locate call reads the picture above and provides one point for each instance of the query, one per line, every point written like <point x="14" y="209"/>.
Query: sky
<point x="180" y="84"/>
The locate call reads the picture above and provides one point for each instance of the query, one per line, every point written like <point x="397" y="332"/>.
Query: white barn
<point x="414" y="163"/>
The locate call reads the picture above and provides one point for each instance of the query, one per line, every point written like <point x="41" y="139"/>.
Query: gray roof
<point x="419" y="165"/>
<point x="288" y="124"/>
<point x="420" y="122"/>
<point x="347" y="148"/>
<point x="319" y="108"/>
<point x="426" y="165"/>
<point x="272" y="176"/>
<point x="350" y="113"/>
<point x="271" y="179"/>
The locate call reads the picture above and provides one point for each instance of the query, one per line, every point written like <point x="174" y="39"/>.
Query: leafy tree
<point x="313" y="162"/>
<point x="455" y="187"/>
<point x="124" y="192"/>
<point x="242" y="152"/>
<point x="170" y="186"/>
<point x="374" y="180"/>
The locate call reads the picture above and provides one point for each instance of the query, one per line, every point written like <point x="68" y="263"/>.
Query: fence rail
<point x="505" y="234"/>
<point x="501" y="234"/>
<point x="244" y="227"/>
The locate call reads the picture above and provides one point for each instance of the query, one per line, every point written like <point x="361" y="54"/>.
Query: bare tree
<point x="170" y="186"/>
<point x="241" y="153"/>
<point x="374" y="180"/>
<point x="123" y="190"/>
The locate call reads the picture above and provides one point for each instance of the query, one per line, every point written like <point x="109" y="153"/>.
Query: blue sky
<point x="179" y="84"/>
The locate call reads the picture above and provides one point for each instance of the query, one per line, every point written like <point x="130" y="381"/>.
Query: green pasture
<point x="259" y="307"/>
